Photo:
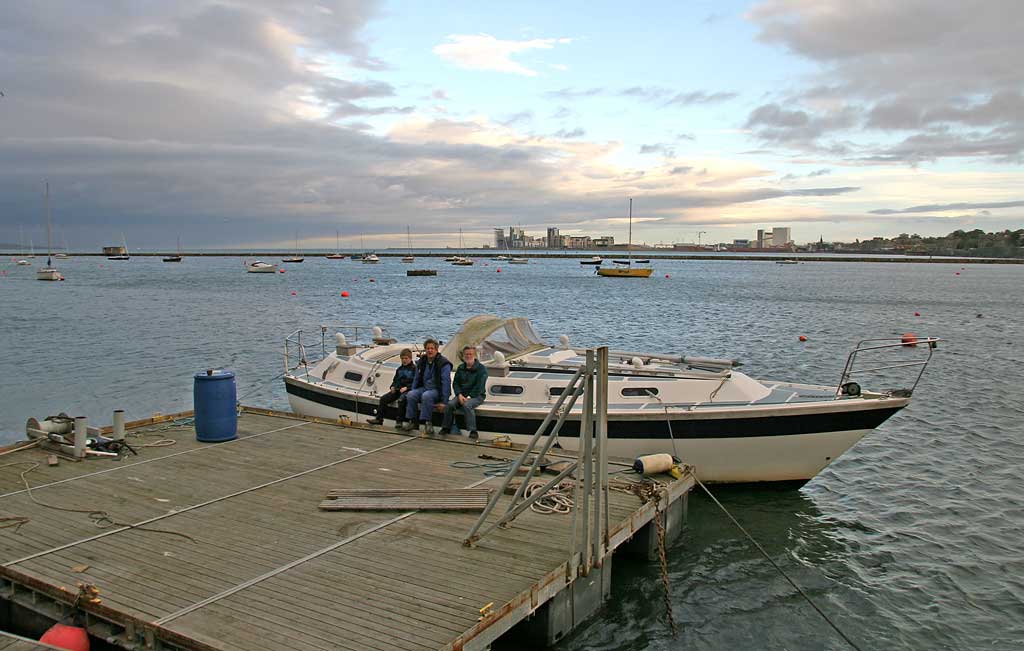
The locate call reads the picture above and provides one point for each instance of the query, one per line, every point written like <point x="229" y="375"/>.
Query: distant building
<point x="781" y="236"/>
<point x="743" y="244"/>
<point x="115" y="250"/>
<point x="579" y="242"/>
<point x="604" y="240"/>
<point x="554" y="240"/>
<point x="500" y="241"/>
<point x="760" y="238"/>
<point x="516" y="238"/>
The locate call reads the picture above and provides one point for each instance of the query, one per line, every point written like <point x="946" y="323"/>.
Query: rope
<point x="776" y="566"/>
<point x="556" y="500"/>
<point x="100" y="518"/>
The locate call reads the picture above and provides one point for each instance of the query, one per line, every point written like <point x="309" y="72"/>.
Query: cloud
<point x="700" y="97"/>
<point x="945" y="73"/>
<point x="948" y="206"/>
<point x="572" y="93"/>
<point x="485" y="52"/>
<point x="518" y="118"/>
<point x="574" y="133"/>
<point x="658" y="148"/>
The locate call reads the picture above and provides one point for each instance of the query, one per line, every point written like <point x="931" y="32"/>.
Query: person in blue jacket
<point x="431" y="386"/>
<point x="400" y="385"/>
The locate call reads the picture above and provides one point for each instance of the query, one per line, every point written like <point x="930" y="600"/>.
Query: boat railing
<point x="873" y="350"/>
<point x="297" y="346"/>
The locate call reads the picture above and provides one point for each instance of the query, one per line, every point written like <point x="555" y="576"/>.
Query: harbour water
<point x="912" y="540"/>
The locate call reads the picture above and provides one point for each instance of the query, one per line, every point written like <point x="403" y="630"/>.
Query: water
<point x="912" y="540"/>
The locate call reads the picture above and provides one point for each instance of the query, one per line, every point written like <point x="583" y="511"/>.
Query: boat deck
<point x="222" y="546"/>
<point x="11" y="642"/>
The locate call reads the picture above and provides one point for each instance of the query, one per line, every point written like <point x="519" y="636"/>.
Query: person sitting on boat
<point x="431" y="386"/>
<point x="400" y="385"/>
<point x="468" y="390"/>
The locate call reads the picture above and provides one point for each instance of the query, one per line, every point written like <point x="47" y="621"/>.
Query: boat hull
<point x="633" y="272"/>
<point x="788" y="444"/>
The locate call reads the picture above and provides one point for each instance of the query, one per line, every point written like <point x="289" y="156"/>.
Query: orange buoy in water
<point x="917" y="314"/>
<point x="280" y="271"/>
<point x="666" y="275"/>
<point x="803" y="338"/>
<point x="344" y="294"/>
<point x="956" y="273"/>
<point x="909" y="339"/>
<point x="499" y="269"/>
<point x="71" y="638"/>
<point x="293" y="293"/>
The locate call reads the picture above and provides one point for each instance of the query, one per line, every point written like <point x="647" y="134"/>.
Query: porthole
<point x="506" y="390"/>
<point x="639" y="392"/>
<point x="353" y="376"/>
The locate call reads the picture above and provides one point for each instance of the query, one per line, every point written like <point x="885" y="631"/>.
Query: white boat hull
<point x="726" y="459"/>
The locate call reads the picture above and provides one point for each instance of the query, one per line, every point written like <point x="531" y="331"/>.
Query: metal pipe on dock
<point x="118" y="428"/>
<point x="81" y="433"/>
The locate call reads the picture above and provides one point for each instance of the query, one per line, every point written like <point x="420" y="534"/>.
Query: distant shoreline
<point x="608" y="255"/>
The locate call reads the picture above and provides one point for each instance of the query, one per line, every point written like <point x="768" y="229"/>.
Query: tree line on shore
<point x="975" y="243"/>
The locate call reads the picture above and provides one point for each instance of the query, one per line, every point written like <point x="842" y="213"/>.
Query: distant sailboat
<point x="298" y="256"/>
<point x="49" y="272"/>
<point x="22" y="260"/>
<point x="461" y="260"/>
<point x="628" y="270"/>
<point x="410" y="257"/>
<point x="175" y="258"/>
<point x="63" y="254"/>
<point x="337" y="248"/>
<point x="121" y="256"/>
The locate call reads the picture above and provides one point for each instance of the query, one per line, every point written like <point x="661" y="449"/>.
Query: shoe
<point x="399" y="424"/>
<point x="408" y="426"/>
<point x="428" y="429"/>
<point x="473" y="435"/>
<point x="376" y="421"/>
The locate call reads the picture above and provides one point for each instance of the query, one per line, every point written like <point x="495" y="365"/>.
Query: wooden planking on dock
<point x="11" y="642"/>
<point x="268" y="569"/>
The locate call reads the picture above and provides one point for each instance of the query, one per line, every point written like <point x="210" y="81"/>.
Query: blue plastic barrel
<point x="213" y="399"/>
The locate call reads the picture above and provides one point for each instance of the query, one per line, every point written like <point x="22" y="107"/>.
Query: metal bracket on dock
<point x="591" y="490"/>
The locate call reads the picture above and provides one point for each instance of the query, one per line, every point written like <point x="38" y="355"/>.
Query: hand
<point x="403" y="389"/>
<point x="439" y="407"/>
<point x="462" y="399"/>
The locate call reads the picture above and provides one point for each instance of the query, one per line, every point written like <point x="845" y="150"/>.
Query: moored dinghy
<point x="732" y="427"/>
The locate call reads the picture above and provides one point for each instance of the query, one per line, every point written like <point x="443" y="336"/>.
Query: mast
<point x="629" y="246"/>
<point x="408" y="238"/>
<point x="49" y="244"/>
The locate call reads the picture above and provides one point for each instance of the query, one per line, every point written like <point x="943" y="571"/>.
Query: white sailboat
<point x="461" y="260"/>
<point x="410" y="257"/>
<point x="337" y="248"/>
<point x="49" y="272"/>
<point x="297" y="257"/>
<point x="121" y="256"/>
<point x="22" y="261"/>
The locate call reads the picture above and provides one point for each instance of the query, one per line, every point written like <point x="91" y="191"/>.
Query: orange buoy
<point x="909" y="339"/>
<point x="71" y="638"/>
<point x="666" y="275"/>
<point x="293" y="293"/>
<point x="280" y="271"/>
<point x="344" y="294"/>
<point x="917" y="314"/>
<point x="803" y="338"/>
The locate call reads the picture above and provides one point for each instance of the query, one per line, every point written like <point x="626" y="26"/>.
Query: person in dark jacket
<point x="400" y="385"/>
<point x="432" y="385"/>
<point x="468" y="390"/>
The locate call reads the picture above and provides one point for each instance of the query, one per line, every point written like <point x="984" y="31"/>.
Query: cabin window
<point x="506" y="389"/>
<point x="353" y="376"/>
<point x="639" y="392"/>
<point x="556" y="391"/>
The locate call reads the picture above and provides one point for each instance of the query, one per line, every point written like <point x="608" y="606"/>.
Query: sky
<point x="250" y="123"/>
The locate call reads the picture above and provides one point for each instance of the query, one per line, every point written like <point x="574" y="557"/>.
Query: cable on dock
<point x="776" y="566"/>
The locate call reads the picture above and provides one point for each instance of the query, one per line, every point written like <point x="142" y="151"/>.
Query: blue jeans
<point x="468" y="410"/>
<point x="421" y="400"/>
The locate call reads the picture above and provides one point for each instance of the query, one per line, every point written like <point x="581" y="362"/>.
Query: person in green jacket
<point x="469" y="388"/>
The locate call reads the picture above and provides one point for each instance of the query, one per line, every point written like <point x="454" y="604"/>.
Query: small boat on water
<point x="297" y="257"/>
<point x="519" y="261"/>
<point x="787" y="261"/>
<point x="49" y="272"/>
<point x="121" y="256"/>
<point x="732" y="427"/>
<point x="371" y="258"/>
<point x="421" y="272"/>
<point x="176" y="257"/>
<point x="410" y="257"/>
<point x="501" y="258"/>
<point x="260" y="267"/>
<point x="337" y="255"/>
<point x="626" y="268"/>
<point x="22" y="263"/>
<point x="460" y="261"/>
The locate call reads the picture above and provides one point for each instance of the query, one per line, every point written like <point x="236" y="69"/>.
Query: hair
<point x="405" y="353"/>
<point x="468" y="347"/>
<point x="431" y="340"/>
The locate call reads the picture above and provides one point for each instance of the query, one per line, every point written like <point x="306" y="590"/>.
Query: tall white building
<point x="781" y="236"/>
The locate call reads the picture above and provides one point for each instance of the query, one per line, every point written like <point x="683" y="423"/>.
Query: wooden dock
<point x="206" y="546"/>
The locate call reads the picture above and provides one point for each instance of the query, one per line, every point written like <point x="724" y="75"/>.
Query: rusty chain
<point x="667" y="596"/>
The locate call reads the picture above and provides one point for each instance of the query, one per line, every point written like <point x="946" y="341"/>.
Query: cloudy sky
<point x="241" y="122"/>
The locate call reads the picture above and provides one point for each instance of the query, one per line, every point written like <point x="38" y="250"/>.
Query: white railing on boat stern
<point x="847" y="387"/>
<point x="293" y="344"/>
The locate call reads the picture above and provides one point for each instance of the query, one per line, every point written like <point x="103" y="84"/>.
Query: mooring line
<point x="299" y="561"/>
<point x="206" y="503"/>
<point x="776" y="566"/>
<point x="166" y="456"/>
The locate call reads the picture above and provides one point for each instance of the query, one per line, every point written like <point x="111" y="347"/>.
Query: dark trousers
<point x="387" y="399"/>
